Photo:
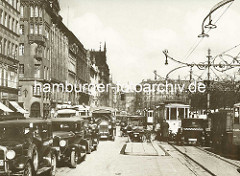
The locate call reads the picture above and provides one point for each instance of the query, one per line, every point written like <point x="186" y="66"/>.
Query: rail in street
<point x="212" y="164"/>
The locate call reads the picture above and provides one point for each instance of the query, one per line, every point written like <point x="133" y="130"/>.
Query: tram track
<point x="187" y="156"/>
<point x="202" y="158"/>
<point x="219" y="157"/>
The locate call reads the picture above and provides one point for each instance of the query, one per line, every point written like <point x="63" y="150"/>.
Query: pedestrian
<point x="158" y="131"/>
<point x="165" y="130"/>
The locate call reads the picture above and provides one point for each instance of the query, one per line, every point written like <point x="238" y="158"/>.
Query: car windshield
<point x="9" y="133"/>
<point x="135" y="122"/>
<point x="63" y="126"/>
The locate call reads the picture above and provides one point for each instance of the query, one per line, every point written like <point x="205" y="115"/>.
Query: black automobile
<point x="192" y="131"/>
<point x="135" y="128"/>
<point x="137" y="134"/>
<point x="26" y="147"/>
<point x="69" y="140"/>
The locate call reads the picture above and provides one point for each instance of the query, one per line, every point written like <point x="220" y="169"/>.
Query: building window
<point x="21" y="11"/>
<point x="19" y="90"/>
<point x="36" y="71"/>
<point x="36" y="90"/>
<point x="13" y="25"/>
<point x="31" y="12"/>
<point x="5" y="19"/>
<point x="36" y="29"/>
<point x="47" y="74"/>
<point x="31" y="28"/>
<point x="44" y="72"/>
<point x="40" y="12"/>
<point x="36" y="11"/>
<point x="40" y="29"/>
<point x="21" y="31"/>
<point x="21" y="69"/>
<point x="1" y="17"/>
<point x="21" y="49"/>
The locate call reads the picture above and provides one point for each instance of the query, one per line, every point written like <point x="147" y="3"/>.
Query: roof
<point x="174" y="105"/>
<point x="18" y="107"/>
<point x="70" y="119"/>
<point x="66" y="111"/>
<point x="135" y="116"/>
<point x="23" y="122"/>
<point x="103" y="110"/>
<point x="4" y="108"/>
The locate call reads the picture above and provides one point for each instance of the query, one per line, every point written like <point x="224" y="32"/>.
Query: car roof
<point x="69" y="119"/>
<point x="24" y="122"/>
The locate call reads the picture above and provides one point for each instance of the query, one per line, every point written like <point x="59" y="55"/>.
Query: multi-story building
<point x="43" y="50"/>
<point x="150" y="99"/>
<point x="101" y="63"/>
<point x="78" y="70"/>
<point x="94" y="80"/>
<point x="9" y="41"/>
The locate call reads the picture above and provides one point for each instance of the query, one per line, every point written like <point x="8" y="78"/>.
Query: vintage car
<point x="26" y="147"/>
<point x="105" y="118"/>
<point x="193" y="131"/>
<point x="69" y="140"/>
<point x="135" y="128"/>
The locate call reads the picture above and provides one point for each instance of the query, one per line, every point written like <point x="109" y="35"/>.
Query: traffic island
<point x="141" y="149"/>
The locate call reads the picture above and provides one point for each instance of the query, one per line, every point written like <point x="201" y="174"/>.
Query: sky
<point x="137" y="31"/>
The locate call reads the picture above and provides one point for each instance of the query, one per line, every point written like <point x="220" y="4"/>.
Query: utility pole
<point x="208" y="80"/>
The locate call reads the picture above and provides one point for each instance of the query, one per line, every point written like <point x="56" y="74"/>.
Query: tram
<point x="173" y="113"/>
<point x="225" y="130"/>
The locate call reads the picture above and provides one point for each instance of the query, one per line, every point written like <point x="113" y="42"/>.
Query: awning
<point x="18" y="107"/>
<point x="5" y="108"/>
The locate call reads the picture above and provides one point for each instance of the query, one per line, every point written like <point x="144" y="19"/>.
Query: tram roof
<point x="237" y="105"/>
<point x="175" y="105"/>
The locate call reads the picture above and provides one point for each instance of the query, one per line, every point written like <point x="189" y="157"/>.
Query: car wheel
<point x="53" y="165"/>
<point x="28" y="170"/>
<point x="73" y="159"/>
<point x="89" y="150"/>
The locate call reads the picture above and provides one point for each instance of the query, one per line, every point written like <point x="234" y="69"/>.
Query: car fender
<point x="20" y="162"/>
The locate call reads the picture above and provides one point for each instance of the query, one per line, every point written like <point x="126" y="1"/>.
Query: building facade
<point x="43" y="50"/>
<point x="104" y="73"/>
<point x="9" y="42"/>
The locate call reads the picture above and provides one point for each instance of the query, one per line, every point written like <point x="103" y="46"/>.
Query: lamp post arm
<point x="175" y="70"/>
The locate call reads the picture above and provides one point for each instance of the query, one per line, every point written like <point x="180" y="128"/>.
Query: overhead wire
<point x="194" y="48"/>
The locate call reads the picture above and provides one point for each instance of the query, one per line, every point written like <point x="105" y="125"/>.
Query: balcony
<point x="37" y="38"/>
<point x="8" y="83"/>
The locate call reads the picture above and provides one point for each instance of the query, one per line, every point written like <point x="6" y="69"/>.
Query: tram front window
<point x="173" y="114"/>
<point x="181" y="113"/>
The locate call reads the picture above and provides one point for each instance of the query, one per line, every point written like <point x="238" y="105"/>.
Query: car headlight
<point x="109" y="126"/>
<point x="11" y="154"/>
<point x="62" y="143"/>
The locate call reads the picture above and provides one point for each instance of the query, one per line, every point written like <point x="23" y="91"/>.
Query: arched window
<point x="21" y="11"/>
<point x="36" y="11"/>
<point x="31" y="11"/>
<point x="40" y="12"/>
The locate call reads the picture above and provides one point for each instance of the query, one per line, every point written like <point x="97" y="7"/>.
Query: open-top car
<point x="26" y="147"/>
<point x="69" y="140"/>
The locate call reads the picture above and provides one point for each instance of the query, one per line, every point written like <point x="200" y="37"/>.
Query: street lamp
<point x="210" y="25"/>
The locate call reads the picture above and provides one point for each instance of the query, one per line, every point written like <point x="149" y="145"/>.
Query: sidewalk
<point x="143" y="149"/>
